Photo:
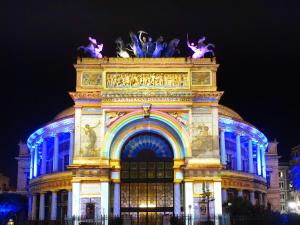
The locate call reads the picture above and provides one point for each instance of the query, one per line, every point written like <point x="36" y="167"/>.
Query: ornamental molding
<point x="148" y="61"/>
<point x="145" y="93"/>
<point x="51" y="182"/>
<point x="208" y="94"/>
<point x="95" y="95"/>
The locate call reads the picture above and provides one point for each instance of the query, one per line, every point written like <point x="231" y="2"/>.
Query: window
<point x="282" y="207"/>
<point x="281" y="174"/>
<point x="282" y="196"/>
<point x="281" y="185"/>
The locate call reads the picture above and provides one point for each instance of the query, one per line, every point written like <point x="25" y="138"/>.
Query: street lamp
<point x="207" y="197"/>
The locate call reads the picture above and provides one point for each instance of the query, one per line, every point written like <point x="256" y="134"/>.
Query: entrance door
<point x="147" y="180"/>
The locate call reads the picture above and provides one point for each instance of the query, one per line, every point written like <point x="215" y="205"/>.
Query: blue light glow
<point x="150" y="142"/>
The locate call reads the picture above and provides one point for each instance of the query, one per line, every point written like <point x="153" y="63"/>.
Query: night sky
<point x="257" y="46"/>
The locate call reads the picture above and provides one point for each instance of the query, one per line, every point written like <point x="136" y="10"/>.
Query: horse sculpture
<point x="200" y="49"/>
<point x="93" y="49"/>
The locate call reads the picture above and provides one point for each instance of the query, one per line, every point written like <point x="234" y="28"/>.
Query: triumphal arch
<point x="146" y="135"/>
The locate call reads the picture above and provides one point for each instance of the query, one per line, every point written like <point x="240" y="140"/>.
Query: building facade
<point x="294" y="203"/>
<point x="284" y="186"/>
<point x="273" y="194"/>
<point x="4" y="183"/>
<point x="23" y="168"/>
<point x="146" y="138"/>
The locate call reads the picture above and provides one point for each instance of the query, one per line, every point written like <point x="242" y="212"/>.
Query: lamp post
<point x="206" y="197"/>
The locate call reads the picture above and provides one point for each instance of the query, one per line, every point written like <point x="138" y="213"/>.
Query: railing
<point x="159" y="220"/>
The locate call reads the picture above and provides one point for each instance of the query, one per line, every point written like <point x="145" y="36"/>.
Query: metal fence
<point x="159" y="220"/>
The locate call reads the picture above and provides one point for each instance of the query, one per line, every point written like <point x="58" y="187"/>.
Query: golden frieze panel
<point x="242" y="184"/>
<point x="150" y="99"/>
<point x="147" y="80"/>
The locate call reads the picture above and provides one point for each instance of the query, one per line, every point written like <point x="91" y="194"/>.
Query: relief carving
<point x="113" y="116"/>
<point x="202" y="141"/>
<point x="147" y="80"/>
<point x="90" y="139"/>
<point x="180" y="117"/>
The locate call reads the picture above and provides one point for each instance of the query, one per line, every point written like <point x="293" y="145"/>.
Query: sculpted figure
<point x="93" y="49"/>
<point x="142" y="46"/>
<point x="159" y="47"/>
<point x="121" y="49"/>
<point x="135" y="45"/>
<point x="146" y="43"/>
<point x="200" y="49"/>
<point x="91" y="138"/>
<point x="114" y="117"/>
<point x="172" y="48"/>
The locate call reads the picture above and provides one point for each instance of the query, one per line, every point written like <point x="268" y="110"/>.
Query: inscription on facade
<point x="147" y="80"/>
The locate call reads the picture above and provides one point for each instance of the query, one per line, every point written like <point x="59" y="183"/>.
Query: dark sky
<point x="257" y="46"/>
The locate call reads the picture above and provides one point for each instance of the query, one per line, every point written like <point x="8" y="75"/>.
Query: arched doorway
<point x="147" y="179"/>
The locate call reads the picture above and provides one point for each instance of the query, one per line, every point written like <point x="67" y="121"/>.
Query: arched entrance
<point x="147" y="179"/>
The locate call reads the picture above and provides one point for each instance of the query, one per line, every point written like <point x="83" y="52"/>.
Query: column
<point x="258" y="158"/>
<point x="31" y="163"/>
<point x="71" y="147"/>
<point x="55" y="153"/>
<point x="224" y="196"/>
<point x="189" y="200"/>
<point x="240" y="194"/>
<point x="177" y="210"/>
<point x="116" y="199"/>
<point x="223" y="147"/>
<point x="44" y="157"/>
<point x="35" y="161"/>
<point x="76" y="199"/>
<point x="34" y="207"/>
<point x="250" y="156"/>
<point x="42" y="207"/>
<point x="260" y="198"/>
<point x="29" y="207"/>
<point x="105" y="200"/>
<point x="53" y="205"/>
<point x="69" y="213"/>
<point x="263" y="162"/>
<point x="252" y="197"/>
<point x="238" y="152"/>
<point x="218" y="201"/>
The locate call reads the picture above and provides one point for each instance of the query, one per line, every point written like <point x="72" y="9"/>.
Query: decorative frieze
<point x="138" y="80"/>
